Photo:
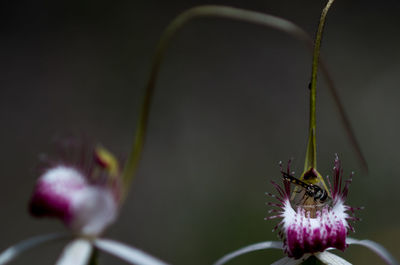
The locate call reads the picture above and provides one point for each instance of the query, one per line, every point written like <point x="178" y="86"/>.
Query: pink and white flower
<point x="310" y="229"/>
<point x="315" y="227"/>
<point x="64" y="193"/>
<point x="86" y="196"/>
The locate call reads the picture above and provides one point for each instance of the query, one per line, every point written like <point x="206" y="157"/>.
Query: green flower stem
<point x="208" y="11"/>
<point x="94" y="257"/>
<point x="200" y="11"/>
<point x="311" y="154"/>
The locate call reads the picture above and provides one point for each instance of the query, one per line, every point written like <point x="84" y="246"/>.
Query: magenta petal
<point x="313" y="228"/>
<point x="62" y="192"/>
<point x="53" y="191"/>
<point x="303" y="234"/>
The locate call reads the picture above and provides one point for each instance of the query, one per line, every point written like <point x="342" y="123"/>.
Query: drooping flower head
<point x="83" y="192"/>
<point x="309" y="224"/>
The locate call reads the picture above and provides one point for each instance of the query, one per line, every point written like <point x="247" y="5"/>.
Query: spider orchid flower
<point x="310" y="227"/>
<point x="86" y="197"/>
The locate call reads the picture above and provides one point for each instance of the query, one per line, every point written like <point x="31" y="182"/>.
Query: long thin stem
<point x="200" y="11"/>
<point x="311" y="154"/>
<point x="94" y="257"/>
<point x="211" y="11"/>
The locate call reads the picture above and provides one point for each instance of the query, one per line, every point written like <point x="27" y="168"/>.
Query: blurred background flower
<point x="84" y="190"/>
<point x="227" y="108"/>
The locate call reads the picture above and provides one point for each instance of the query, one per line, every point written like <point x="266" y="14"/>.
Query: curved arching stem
<point x="188" y="15"/>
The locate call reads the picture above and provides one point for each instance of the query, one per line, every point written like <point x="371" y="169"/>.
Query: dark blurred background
<point x="230" y="103"/>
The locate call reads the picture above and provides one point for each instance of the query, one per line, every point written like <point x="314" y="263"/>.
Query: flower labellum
<point x="312" y="221"/>
<point x="84" y="197"/>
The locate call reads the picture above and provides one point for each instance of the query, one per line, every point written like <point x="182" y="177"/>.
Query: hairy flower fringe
<point x="316" y="227"/>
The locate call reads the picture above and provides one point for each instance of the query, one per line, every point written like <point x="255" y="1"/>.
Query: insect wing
<point x="294" y="180"/>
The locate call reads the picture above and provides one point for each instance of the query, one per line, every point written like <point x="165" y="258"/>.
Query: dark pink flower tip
<point x="63" y="192"/>
<point x="313" y="228"/>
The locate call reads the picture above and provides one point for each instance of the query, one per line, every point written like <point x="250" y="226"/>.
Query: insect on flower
<point x="314" y="218"/>
<point x="312" y="226"/>
<point x="315" y="192"/>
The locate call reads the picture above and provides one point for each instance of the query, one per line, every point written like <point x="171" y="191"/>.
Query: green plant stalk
<point x="182" y="19"/>
<point x="311" y="153"/>
<point x="200" y="11"/>
<point x="94" y="257"/>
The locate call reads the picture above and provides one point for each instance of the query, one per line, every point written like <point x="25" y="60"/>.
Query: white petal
<point x="127" y="253"/>
<point x="290" y="261"/>
<point x="331" y="259"/>
<point x="375" y="247"/>
<point x="13" y="251"/>
<point x="76" y="253"/>
<point x="94" y="208"/>
<point x="250" y="248"/>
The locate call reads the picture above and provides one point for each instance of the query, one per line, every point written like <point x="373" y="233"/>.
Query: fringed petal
<point x="312" y="225"/>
